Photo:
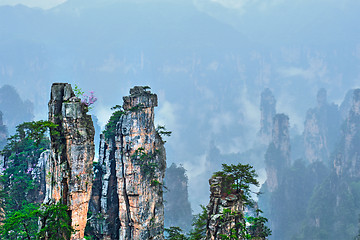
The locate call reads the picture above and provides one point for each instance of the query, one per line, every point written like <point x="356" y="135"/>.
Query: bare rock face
<point x="268" y="111"/>
<point x="39" y="177"/>
<point x="277" y="157"/>
<point x="224" y="210"/>
<point x="70" y="166"/>
<point x="321" y="129"/>
<point x="347" y="158"/>
<point x="104" y="203"/>
<point x="132" y="165"/>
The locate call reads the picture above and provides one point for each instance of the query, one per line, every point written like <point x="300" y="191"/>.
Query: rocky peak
<point x="140" y="97"/>
<point x="224" y="210"/>
<point x="277" y="157"/>
<point x="321" y="98"/>
<point x="131" y="170"/>
<point x="71" y="156"/>
<point x="347" y="158"/>
<point x="281" y="137"/>
<point x="321" y="129"/>
<point x="268" y="111"/>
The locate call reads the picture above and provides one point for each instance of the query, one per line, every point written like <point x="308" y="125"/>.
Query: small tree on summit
<point x="239" y="177"/>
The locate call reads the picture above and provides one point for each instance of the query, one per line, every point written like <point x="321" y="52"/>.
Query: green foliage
<point x="175" y="233"/>
<point x="78" y="91"/>
<point x="136" y="108"/>
<point x="20" y="224"/>
<point x="239" y="178"/>
<point x="244" y="227"/>
<point x="161" y="130"/>
<point x="256" y="226"/>
<point x="33" y="131"/>
<point x="21" y="155"/>
<point x="148" y="167"/>
<point x="56" y="222"/>
<point x="110" y="128"/>
<point x="199" y="225"/>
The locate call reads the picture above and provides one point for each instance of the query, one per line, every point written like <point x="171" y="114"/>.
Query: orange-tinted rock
<point x="69" y="168"/>
<point x="132" y="166"/>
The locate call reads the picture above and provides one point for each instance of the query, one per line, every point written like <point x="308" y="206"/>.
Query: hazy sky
<point x="45" y="4"/>
<point x="208" y="63"/>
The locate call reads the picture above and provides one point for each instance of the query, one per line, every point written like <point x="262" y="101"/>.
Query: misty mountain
<point x="208" y="64"/>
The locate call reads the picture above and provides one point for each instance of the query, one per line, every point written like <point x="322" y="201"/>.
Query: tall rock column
<point x="277" y="157"/>
<point x="140" y="168"/>
<point x="72" y="153"/>
<point x="127" y="195"/>
<point x="225" y="210"/>
<point x="268" y="111"/>
<point x="321" y="129"/>
<point x="347" y="158"/>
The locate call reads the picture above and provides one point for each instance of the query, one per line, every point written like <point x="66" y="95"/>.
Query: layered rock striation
<point x="277" y="157"/>
<point x="128" y="195"/>
<point x="69" y="168"/>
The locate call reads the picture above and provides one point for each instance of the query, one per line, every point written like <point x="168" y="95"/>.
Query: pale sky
<point x="45" y="4"/>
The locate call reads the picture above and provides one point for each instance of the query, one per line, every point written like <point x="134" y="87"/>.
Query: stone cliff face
<point x="321" y="129"/>
<point x="277" y="157"/>
<point x="220" y="200"/>
<point x="347" y="158"/>
<point x="128" y="196"/>
<point x="70" y="162"/>
<point x="268" y="111"/>
<point x="39" y="178"/>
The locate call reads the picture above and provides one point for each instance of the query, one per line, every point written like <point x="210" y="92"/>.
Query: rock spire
<point x="71" y="156"/>
<point x="277" y="157"/>
<point x="127" y="194"/>
<point x="268" y="111"/>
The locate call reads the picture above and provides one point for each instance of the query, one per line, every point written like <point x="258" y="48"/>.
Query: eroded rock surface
<point x="70" y="165"/>
<point x="224" y="210"/>
<point x="128" y="196"/>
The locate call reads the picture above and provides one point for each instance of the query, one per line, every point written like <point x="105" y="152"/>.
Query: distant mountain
<point x="207" y="63"/>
